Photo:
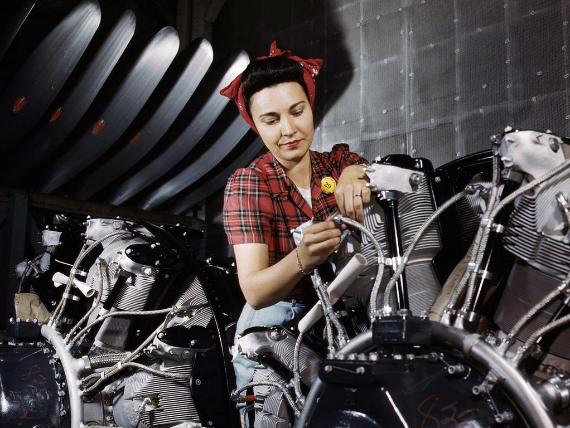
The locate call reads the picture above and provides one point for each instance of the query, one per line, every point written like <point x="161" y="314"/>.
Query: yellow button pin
<point x="328" y="184"/>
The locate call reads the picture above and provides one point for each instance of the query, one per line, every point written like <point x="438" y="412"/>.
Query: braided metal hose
<point x="58" y="312"/>
<point x="93" y="306"/>
<point x="328" y="310"/>
<point x="116" y="314"/>
<point x="297" y="371"/>
<point x="478" y="251"/>
<point x="507" y="342"/>
<point x="560" y="169"/>
<point x="391" y="283"/>
<point x="531" y="341"/>
<point x="119" y="366"/>
<point x="318" y="284"/>
<point x="235" y="395"/>
<point x="380" y="271"/>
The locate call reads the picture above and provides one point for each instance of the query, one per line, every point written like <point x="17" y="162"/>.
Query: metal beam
<point x="61" y="204"/>
<point x="13" y="244"/>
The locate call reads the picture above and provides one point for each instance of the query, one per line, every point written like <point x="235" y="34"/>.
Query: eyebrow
<point x="273" y="114"/>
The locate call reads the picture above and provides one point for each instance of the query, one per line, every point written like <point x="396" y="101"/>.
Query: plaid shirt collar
<point x="282" y="186"/>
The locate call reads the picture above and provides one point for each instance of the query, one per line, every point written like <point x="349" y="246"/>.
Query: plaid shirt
<point x="262" y="205"/>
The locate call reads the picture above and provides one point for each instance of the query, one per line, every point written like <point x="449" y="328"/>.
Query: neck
<point x="299" y="172"/>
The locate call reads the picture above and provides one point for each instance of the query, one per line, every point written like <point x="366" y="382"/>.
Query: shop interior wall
<point x="430" y="78"/>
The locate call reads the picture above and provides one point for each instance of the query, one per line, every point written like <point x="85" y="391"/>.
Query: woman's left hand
<point x="352" y="193"/>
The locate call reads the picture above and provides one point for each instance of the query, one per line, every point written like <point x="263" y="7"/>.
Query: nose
<point x="287" y="127"/>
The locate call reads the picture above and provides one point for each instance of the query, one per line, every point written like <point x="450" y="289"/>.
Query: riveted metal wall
<point x="431" y="78"/>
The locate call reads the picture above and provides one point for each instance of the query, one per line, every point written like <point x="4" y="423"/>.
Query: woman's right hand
<point x="319" y="241"/>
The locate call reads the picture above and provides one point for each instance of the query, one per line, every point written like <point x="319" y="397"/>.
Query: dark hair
<point x="268" y="72"/>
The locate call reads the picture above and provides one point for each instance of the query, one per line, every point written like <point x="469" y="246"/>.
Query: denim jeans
<point x="275" y="315"/>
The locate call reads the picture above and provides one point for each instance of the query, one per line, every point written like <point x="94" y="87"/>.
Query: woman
<point x="283" y="189"/>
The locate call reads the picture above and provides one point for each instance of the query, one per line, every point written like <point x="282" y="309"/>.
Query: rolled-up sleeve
<point x="340" y="157"/>
<point x="248" y="208"/>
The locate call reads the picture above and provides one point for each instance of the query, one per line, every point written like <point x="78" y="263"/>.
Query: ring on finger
<point x="358" y="195"/>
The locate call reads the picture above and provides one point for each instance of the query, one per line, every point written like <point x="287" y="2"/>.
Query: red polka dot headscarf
<point x="311" y="68"/>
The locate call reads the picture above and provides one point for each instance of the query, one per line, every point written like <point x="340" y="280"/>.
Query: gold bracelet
<point x="299" y="264"/>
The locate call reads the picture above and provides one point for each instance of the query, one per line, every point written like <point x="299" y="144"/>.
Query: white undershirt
<point x="306" y="194"/>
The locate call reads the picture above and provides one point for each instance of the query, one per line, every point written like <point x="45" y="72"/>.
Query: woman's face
<point x="284" y="119"/>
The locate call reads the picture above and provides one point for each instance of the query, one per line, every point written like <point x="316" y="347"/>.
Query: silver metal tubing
<point x="93" y="306"/>
<point x="297" y="371"/>
<point x="58" y="312"/>
<point x="523" y="350"/>
<point x="389" y="287"/>
<point x="72" y="368"/>
<point x="283" y="388"/>
<point x="531" y="313"/>
<point x="380" y="271"/>
<point x="119" y="314"/>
